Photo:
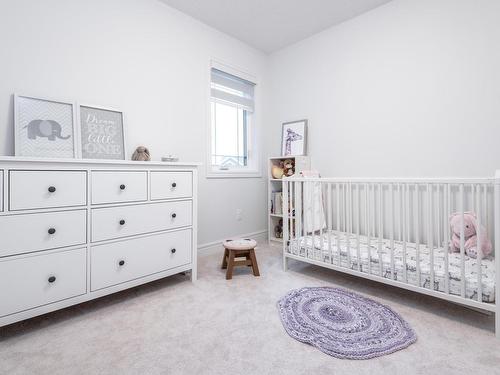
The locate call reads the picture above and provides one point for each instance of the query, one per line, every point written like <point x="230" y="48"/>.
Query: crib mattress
<point x="341" y="240"/>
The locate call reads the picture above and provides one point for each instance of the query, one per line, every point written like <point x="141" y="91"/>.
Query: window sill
<point x="234" y="174"/>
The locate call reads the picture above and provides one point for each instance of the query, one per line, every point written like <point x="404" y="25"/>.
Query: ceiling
<point x="270" y="25"/>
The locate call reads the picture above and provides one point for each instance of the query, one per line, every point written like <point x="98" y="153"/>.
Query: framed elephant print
<point x="44" y="128"/>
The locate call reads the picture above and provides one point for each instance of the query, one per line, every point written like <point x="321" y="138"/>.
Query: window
<point x="232" y="132"/>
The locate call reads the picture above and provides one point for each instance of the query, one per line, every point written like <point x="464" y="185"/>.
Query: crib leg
<point x="497" y="324"/>
<point x="285" y="263"/>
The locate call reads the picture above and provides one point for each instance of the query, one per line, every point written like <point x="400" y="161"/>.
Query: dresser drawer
<point x="169" y="185"/>
<point x="116" y="222"/>
<point x="30" y="232"/>
<point x="119" y="186"/>
<point x="122" y="261"/>
<point x="38" y="280"/>
<point x="47" y="189"/>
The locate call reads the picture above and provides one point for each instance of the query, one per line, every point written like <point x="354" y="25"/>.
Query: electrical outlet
<point x="239" y="214"/>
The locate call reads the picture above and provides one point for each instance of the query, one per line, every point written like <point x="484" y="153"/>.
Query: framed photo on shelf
<point x="294" y="138"/>
<point x="44" y="128"/>
<point x="101" y="133"/>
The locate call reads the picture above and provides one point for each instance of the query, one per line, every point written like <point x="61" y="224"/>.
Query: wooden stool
<point x="241" y="248"/>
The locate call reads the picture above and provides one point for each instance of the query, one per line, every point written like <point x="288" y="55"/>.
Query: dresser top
<point x="19" y="159"/>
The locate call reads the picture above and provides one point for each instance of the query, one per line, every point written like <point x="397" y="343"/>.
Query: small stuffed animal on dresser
<point x="470" y="235"/>
<point x="141" y="153"/>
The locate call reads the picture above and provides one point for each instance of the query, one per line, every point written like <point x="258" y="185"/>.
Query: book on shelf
<point x="277" y="203"/>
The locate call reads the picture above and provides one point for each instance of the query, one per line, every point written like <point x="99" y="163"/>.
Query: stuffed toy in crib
<point x="470" y="235"/>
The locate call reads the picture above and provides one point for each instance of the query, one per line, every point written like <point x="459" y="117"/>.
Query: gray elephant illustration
<point x="49" y="129"/>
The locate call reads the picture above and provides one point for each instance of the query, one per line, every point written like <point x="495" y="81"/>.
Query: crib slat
<point x="462" y="240"/>
<point x="446" y="225"/>
<point x="337" y="236"/>
<point x="400" y="212"/>
<point x="367" y="226"/>
<point x="358" y="214"/>
<point x="380" y="229"/>
<point x="344" y="208"/>
<point x="417" y="232"/>
<point x="302" y="212"/>
<point x="297" y="215"/>
<point x="408" y="210"/>
<point x="473" y="199"/>
<point x="330" y="224"/>
<point x="430" y="237"/>
<point x="406" y="224"/>
<point x="437" y="206"/>
<point x="479" y="252"/>
<point x="437" y="221"/>
<point x="485" y="215"/>
<point x="321" y="220"/>
<point x="374" y="213"/>
<point x="391" y="218"/>
<point x="290" y="211"/>
<point x="305" y="220"/>
<point x="313" y="214"/>
<point x="374" y="217"/>
<point x="285" y="217"/>
<point x="349" y="224"/>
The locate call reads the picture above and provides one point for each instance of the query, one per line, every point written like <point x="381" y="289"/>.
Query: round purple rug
<point x="343" y="324"/>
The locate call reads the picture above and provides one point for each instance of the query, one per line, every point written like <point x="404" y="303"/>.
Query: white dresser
<point x="75" y="230"/>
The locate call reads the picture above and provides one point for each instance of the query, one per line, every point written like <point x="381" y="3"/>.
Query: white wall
<point x="409" y="89"/>
<point x="144" y="58"/>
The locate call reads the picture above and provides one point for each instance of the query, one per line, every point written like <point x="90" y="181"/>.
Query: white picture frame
<point x="100" y="142"/>
<point x="294" y="138"/>
<point x="45" y="127"/>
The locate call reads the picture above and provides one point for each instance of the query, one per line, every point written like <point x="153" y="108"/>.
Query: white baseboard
<point x="259" y="236"/>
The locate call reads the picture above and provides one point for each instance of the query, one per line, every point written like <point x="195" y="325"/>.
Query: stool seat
<point x="236" y="249"/>
<point x="240" y="244"/>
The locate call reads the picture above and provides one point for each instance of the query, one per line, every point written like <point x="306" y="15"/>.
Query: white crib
<point x="396" y="231"/>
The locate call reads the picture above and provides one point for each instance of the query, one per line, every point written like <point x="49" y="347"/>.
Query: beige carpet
<point x="232" y="327"/>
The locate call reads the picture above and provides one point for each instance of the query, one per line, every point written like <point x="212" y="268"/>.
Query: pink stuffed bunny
<point x="470" y="235"/>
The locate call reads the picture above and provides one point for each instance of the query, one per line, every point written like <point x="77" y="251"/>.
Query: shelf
<point x="286" y="157"/>
<point x="281" y="215"/>
<point x="276" y="179"/>
<point x="276" y="239"/>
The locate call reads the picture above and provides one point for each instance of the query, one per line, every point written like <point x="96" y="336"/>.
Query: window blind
<point x="233" y="90"/>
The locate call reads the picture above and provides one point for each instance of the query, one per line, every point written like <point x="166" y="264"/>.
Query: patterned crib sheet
<point x="339" y="240"/>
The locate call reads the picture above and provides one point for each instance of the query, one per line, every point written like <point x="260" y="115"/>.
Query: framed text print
<point x="101" y="133"/>
<point x="294" y="138"/>
<point x="44" y="128"/>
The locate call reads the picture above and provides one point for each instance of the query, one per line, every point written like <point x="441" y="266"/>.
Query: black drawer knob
<point x="173" y="251"/>
<point x="121" y="262"/>
<point x="52" y="230"/>
<point x="51" y="279"/>
<point x="52" y="189"/>
<point x="122" y="187"/>
<point x="174" y="215"/>
<point x="174" y="184"/>
<point x="122" y="222"/>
